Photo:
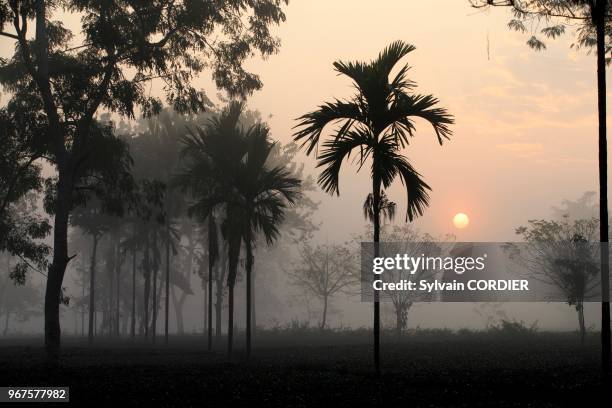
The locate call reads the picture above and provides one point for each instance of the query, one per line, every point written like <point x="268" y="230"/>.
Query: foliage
<point x="376" y="123"/>
<point x="21" y="229"/>
<point x="550" y="19"/>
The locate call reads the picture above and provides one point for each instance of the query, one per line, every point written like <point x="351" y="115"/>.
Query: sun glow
<point x="460" y="220"/>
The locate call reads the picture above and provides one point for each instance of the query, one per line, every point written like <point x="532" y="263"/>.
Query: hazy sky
<point x="526" y="133"/>
<point x="525" y="136"/>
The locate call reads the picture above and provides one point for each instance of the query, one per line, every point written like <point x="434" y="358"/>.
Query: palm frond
<point x="416" y="189"/>
<point x="311" y="125"/>
<point x="407" y="107"/>
<point x="336" y="151"/>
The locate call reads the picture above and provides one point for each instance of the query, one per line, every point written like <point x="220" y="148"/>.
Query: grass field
<point x="424" y="369"/>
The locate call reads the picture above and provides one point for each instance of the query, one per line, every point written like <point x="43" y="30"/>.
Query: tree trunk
<point x="147" y="287"/>
<point x="230" y="321"/>
<point x="219" y="297"/>
<point x="253" y="302"/>
<point x="581" y="325"/>
<point x="204" y="310"/>
<point x="110" y="269"/>
<point x="213" y="254"/>
<point x="210" y="289"/>
<point x="324" y="319"/>
<point x="376" y="212"/>
<point x="55" y="276"/>
<point x="154" y="304"/>
<point x="83" y="306"/>
<point x="92" y="289"/>
<point x="167" y="305"/>
<point x="600" y="12"/>
<point x="118" y="291"/>
<point x="133" y="314"/>
<point x="249" y="269"/>
<point x="398" y="321"/>
<point x="234" y="256"/>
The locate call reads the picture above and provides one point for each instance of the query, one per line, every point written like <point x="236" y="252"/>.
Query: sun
<point x="460" y="220"/>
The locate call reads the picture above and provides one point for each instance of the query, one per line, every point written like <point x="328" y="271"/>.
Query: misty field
<point x="306" y="368"/>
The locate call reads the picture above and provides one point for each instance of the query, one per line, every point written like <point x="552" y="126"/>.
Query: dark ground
<point x="427" y="369"/>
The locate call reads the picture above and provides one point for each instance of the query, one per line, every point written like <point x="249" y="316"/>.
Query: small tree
<point x="561" y="254"/>
<point x="324" y="272"/>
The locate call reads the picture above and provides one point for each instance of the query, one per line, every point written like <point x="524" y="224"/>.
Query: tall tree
<point x="93" y="223"/>
<point x="212" y="156"/>
<point x="263" y="194"/>
<point x="376" y="124"/>
<point x="227" y="168"/>
<point x="124" y="46"/>
<point x="594" y="30"/>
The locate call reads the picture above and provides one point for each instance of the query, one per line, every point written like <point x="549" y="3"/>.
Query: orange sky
<point x="525" y="136"/>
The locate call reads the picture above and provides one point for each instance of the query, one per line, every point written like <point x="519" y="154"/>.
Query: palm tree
<point x="212" y="156"/>
<point x="263" y="195"/>
<point x="227" y="169"/>
<point x="376" y="124"/>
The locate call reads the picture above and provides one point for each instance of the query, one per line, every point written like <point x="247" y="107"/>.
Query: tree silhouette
<point x="227" y="170"/>
<point x="93" y="222"/>
<point x="211" y="157"/>
<point x="594" y="31"/>
<point x="263" y="194"/>
<point x="325" y="271"/>
<point x="561" y="254"/>
<point x="123" y="47"/>
<point x="376" y="124"/>
<point x="20" y="181"/>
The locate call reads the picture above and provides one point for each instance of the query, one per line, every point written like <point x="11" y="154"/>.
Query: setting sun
<point x="460" y="220"/>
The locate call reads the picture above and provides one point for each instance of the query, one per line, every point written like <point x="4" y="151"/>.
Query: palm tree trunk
<point x="600" y="22"/>
<point x="83" y="307"/>
<point x="204" y="310"/>
<point x="253" y="302"/>
<point x="133" y="322"/>
<point x="92" y="289"/>
<point x="249" y="268"/>
<point x="167" y="281"/>
<point x="219" y="303"/>
<point x="154" y="306"/>
<point x="230" y="321"/>
<point x="147" y="287"/>
<point x="376" y="212"/>
<point x="118" y="291"/>
<point x="234" y="256"/>
<point x="211" y="265"/>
